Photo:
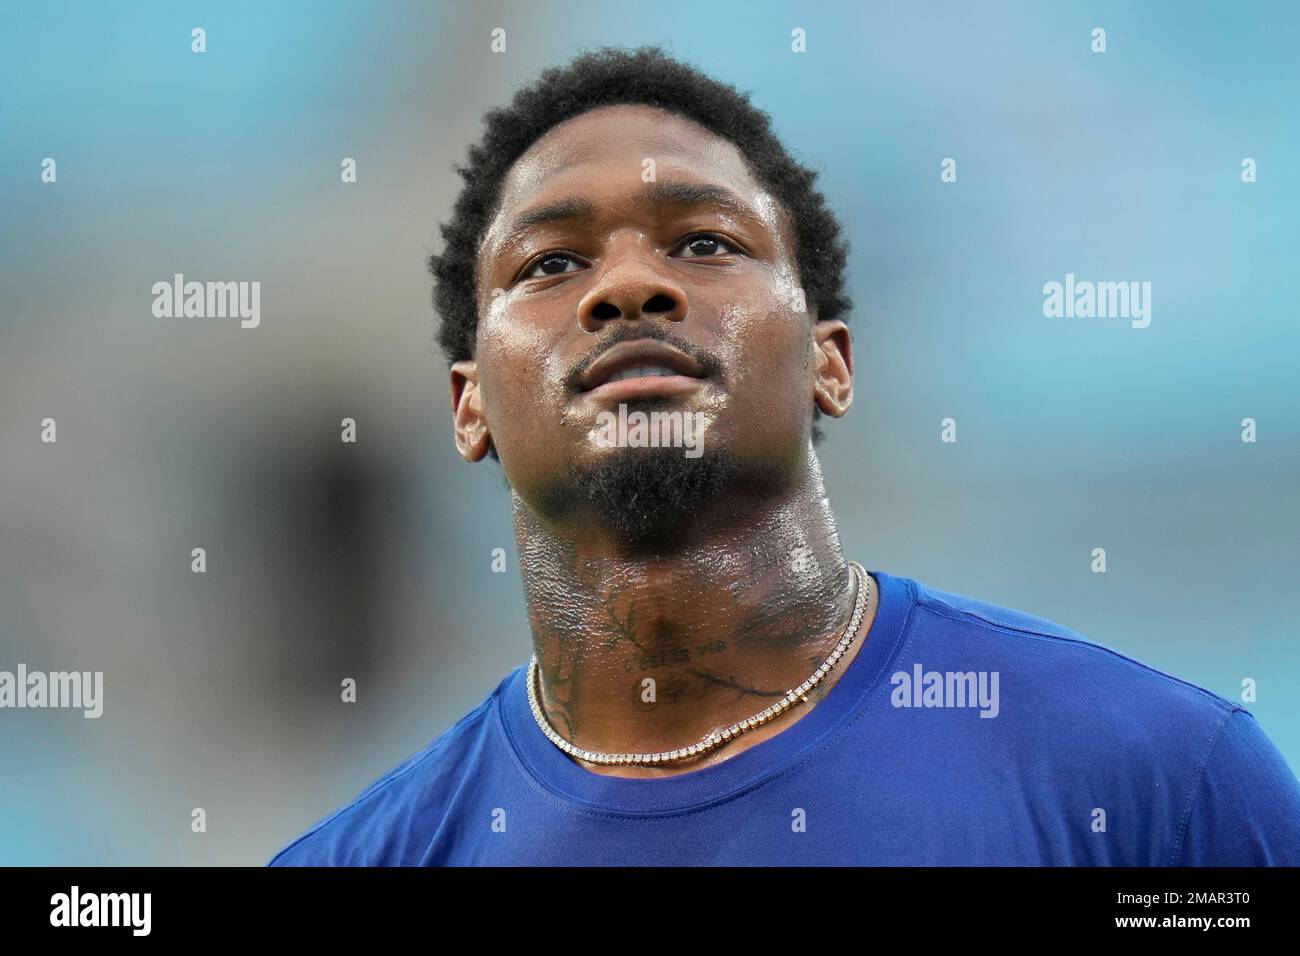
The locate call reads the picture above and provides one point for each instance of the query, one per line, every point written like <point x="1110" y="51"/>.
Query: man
<point x="717" y="684"/>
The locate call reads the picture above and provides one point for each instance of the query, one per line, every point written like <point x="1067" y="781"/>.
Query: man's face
<point x="634" y="227"/>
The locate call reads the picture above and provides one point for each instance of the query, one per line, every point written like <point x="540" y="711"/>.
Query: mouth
<point x="644" y="382"/>
<point x="643" y="368"/>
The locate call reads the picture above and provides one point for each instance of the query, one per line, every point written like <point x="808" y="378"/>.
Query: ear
<point x="472" y="435"/>
<point x="833" y="376"/>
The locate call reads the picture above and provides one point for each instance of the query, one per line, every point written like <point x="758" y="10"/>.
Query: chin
<point x="645" y="495"/>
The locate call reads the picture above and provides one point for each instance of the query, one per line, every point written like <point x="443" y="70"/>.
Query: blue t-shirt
<point x="962" y="733"/>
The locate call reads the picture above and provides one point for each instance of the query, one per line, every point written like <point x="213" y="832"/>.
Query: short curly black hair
<point x="609" y="76"/>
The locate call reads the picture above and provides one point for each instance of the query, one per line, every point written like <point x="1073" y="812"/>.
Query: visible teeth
<point x="641" y="372"/>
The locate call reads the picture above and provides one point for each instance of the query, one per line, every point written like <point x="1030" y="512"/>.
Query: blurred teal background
<point x="372" y="560"/>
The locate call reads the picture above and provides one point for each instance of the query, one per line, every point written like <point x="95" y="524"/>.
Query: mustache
<point x="627" y="333"/>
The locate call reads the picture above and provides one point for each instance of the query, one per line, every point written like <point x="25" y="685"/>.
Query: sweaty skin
<point x="726" y="585"/>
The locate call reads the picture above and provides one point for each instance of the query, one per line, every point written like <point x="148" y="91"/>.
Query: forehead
<point x="632" y="132"/>
<point x="601" y="154"/>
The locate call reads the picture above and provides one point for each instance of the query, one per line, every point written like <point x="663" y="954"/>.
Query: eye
<point x="551" y="264"/>
<point x="704" y="244"/>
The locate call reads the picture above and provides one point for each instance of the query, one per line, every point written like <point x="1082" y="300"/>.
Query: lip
<point x="633" y="354"/>
<point x="647" y="386"/>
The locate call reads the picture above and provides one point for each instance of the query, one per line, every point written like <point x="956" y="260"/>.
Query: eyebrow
<point x="655" y="195"/>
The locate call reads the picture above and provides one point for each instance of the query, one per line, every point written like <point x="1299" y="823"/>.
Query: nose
<point x="632" y="284"/>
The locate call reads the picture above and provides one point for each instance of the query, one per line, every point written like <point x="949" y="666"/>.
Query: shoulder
<point x="1046" y="659"/>
<point x="1061" y="699"/>
<point x="1202" y="759"/>
<point x="375" y="828"/>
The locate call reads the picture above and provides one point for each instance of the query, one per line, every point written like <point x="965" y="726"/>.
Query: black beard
<point x="646" y="495"/>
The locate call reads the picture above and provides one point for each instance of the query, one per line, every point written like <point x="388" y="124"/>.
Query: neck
<point x="742" y="607"/>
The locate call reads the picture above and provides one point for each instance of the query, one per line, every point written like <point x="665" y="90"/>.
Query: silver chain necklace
<point x="716" y="738"/>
